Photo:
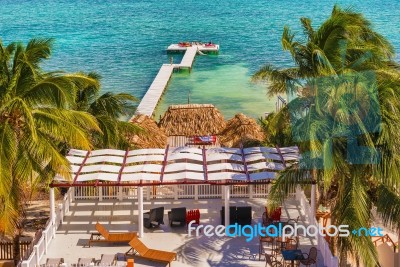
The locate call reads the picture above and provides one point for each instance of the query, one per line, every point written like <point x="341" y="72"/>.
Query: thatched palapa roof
<point x="241" y="129"/>
<point x="151" y="137"/>
<point x="192" y="119"/>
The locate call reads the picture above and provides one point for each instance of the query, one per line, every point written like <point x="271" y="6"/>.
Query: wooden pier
<point x="153" y="95"/>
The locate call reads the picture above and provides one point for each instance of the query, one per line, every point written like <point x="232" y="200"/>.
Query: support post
<point x="196" y="192"/>
<point x="120" y="195"/>
<point x="52" y="206"/>
<point x="175" y="192"/>
<point x="398" y="249"/>
<point x="100" y="193"/>
<point x="37" y="255"/>
<point x="148" y="193"/>
<point x="140" y="210"/>
<point x="227" y="194"/>
<point x="251" y="189"/>
<point x="313" y="193"/>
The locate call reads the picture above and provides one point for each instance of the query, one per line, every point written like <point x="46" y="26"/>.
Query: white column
<point x="140" y="210"/>
<point x="175" y="192"/>
<point x="120" y="193"/>
<point x="196" y="192"/>
<point x="100" y="188"/>
<point x="148" y="192"/>
<point x="227" y="194"/>
<point x="52" y="206"/>
<point x="398" y="249"/>
<point x="37" y="255"/>
<point x="313" y="192"/>
<point x="251" y="189"/>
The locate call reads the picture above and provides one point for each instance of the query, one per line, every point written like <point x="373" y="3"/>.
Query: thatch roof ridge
<point x="152" y="136"/>
<point x="192" y="119"/>
<point x="241" y="129"/>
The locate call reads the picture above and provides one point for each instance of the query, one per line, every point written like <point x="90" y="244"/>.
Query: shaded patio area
<point x="72" y="236"/>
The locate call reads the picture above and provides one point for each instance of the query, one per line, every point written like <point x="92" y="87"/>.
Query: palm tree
<point x="345" y="122"/>
<point x="35" y="122"/>
<point x="110" y="110"/>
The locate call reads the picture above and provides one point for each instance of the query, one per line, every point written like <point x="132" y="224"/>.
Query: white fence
<point x="323" y="246"/>
<point x="181" y="191"/>
<point x="48" y="234"/>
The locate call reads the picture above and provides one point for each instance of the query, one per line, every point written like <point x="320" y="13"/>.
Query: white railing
<point x="323" y="246"/>
<point x="201" y="191"/>
<point x="40" y="248"/>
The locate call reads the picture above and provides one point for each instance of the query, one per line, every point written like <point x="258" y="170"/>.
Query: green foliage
<point x="36" y="120"/>
<point x="348" y="91"/>
<point x="110" y="110"/>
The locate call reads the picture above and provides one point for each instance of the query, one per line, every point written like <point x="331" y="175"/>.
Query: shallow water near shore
<point x="125" y="42"/>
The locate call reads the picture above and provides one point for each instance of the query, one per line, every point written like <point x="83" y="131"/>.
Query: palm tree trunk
<point x="16" y="248"/>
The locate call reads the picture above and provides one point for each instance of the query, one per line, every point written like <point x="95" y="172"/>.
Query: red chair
<point x="193" y="215"/>
<point x="276" y="215"/>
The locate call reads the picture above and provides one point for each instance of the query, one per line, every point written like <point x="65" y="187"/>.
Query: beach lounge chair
<point x="54" y="262"/>
<point x="139" y="249"/>
<point x="177" y="217"/>
<point x="107" y="260"/>
<point x="82" y="262"/>
<point x="154" y="217"/>
<point x="104" y="236"/>
<point x="243" y="215"/>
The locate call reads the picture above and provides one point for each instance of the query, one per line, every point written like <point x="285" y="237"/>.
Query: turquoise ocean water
<point x="125" y="41"/>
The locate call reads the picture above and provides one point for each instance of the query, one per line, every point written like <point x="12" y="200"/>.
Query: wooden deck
<point x="150" y="100"/>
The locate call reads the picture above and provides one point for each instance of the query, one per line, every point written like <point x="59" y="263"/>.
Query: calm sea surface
<point x="125" y="41"/>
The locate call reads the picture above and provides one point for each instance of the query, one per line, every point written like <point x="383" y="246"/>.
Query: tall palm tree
<point x="111" y="111"/>
<point x="345" y="122"/>
<point x="35" y="121"/>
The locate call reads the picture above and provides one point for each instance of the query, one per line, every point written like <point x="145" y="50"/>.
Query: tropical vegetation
<point x="344" y="116"/>
<point x="41" y="114"/>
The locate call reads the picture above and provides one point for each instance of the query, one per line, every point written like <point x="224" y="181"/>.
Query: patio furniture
<point x="54" y="262"/>
<point x="104" y="236"/>
<point x="139" y="249"/>
<point x="239" y="215"/>
<point x="107" y="260"/>
<point x="267" y="240"/>
<point x="177" y="217"/>
<point x="232" y="215"/>
<point x="154" y="217"/>
<point x="292" y="256"/>
<point x="271" y="261"/>
<point x="85" y="262"/>
<point x="291" y="244"/>
<point x="266" y="220"/>
<point x="311" y="257"/>
<point x="193" y="215"/>
<point x="276" y="215"/>
<point x="243" y="215"/>
<point x="293" y="221"/>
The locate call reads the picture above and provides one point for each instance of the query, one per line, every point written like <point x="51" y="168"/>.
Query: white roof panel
<point x="77" y="152"/>
<point x="262" y="175"/>
<point x="143" y="158"/>
<point x="265" y="165"/>
<point x="112" y="152"/>
<point x="100" y="159"/>
<point x="182" y="166"/>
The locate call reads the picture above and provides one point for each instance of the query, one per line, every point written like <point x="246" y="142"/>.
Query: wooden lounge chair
<point x="54" y="262"/>
<point x="104" y="236"/>
<point x="144" y="252"/>
<point x="107" y="260"/>
<point x="82" y="262"/>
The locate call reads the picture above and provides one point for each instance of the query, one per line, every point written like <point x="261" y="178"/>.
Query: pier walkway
<point x="150" y="100"/>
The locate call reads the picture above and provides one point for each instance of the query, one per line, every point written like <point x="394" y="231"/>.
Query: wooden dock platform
<point x="150" y="100"/>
